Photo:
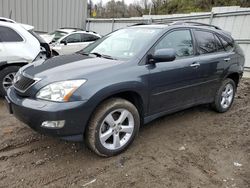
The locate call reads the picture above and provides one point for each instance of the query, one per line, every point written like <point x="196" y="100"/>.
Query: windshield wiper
<point x="97" y="55"/>
<point x="82" y="53"/>
<point x="103" y="55"/>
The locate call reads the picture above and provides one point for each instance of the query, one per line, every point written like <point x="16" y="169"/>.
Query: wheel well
<point x="55" y="52"/>
<point x="235" y="77"/>
<point x="12" y="64"/>
<point x="132" y="97"/>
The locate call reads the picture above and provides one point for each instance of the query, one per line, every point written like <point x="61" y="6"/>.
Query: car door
<point x="212" y="58"/>
<point x="174" y="85"/>
<point x="71" y="44"/>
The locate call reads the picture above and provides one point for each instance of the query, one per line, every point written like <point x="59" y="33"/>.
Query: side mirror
<point x="64" y="42"/>
<point x="163" y="55"/>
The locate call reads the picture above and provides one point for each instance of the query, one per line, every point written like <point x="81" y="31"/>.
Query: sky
<point x="105" y="1"/>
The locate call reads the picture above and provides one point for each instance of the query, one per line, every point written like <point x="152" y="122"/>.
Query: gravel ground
<point x="193" y="148"/>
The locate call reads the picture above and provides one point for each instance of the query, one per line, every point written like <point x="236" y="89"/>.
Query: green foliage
<point x="187" y="6"/>
<point x="117" y="9"/>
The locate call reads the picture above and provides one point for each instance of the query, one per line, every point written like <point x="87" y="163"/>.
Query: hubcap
<point x="227" y="96"/>
<point x="8" y="80"/>
<point x="116" y="129"/>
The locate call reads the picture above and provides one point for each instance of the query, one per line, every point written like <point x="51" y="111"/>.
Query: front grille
<point x="23" y="83"/>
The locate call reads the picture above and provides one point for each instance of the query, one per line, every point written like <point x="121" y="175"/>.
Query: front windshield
<point x="57" y="35"/>
<point x="123" y="44"/>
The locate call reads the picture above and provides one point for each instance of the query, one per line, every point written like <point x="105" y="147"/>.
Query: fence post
<point x="88" y="25"/>
<point x="113" y="23"/>
<point x="211" y="18"/>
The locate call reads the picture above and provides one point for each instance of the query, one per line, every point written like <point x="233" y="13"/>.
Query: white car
<point x="69" y="40"/>
<point x="19" y="45"/>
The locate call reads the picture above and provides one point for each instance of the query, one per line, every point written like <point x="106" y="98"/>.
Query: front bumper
<point x="34" y="112"/>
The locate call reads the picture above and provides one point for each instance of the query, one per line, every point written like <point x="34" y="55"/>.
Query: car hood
<point x="66" y="67"/>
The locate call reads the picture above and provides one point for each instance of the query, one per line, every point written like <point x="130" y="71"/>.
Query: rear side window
<point x="227" y="45"/>
<point x="219" y="45"/>
<point x="73" y="38"/>
<point x="9" y="35"/>
<point x="206" y="42"/>
<point x="180" y="40"/>
<point x="89" y="38"/>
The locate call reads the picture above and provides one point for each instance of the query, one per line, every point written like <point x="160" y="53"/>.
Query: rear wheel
<point x="113" y="127"/>
<point x="225" y="96"/>
<point x="6" y="78"/>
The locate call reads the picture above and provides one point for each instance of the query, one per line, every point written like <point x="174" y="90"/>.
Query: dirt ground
<point x="193" y="148"/>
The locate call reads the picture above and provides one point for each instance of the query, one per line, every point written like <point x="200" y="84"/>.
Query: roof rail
<point x="2" y="19"/>
<point x="137" y="24"/>
<point x="78" y="29"/>
<point x="91" y="31"/>
<point x="194" y="24"/>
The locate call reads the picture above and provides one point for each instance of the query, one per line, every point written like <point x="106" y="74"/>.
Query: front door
<point x="175" y="84"/>
<point x="73" y="44"/>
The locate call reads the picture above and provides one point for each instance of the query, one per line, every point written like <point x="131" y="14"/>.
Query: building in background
<point x="46" y="15"/>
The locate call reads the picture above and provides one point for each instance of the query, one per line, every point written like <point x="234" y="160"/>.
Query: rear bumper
<point x="34" y="112"/>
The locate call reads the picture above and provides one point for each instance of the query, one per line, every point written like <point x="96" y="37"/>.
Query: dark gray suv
<point x="128" y="78"/>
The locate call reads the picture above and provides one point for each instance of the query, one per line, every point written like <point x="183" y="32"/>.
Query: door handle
<point x="227" y="59"/>
<point x="195" y="65"/>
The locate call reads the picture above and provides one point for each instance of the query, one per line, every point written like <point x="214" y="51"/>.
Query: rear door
<point x="212" y="58"/>
<point x="175" y="85"/>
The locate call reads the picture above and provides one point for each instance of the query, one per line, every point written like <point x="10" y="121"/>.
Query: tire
<point x="101" y="124"/>
<point x="11" y="71"/>
<point x="217" y="105"/>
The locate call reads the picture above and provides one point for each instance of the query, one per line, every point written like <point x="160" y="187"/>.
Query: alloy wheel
<point x="227" y="96"/>
<point x="8" y="80"/>
<point x="116" y="129"/>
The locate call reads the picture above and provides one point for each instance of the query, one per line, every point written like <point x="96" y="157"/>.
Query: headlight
<point x="59" y="91"/>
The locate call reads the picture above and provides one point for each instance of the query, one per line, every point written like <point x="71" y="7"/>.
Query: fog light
<point x="53" y="124"/>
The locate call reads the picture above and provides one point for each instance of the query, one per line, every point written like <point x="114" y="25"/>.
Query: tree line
<point x="119" y="9"/>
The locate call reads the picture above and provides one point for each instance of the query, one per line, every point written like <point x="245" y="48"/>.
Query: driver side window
<point x="180" y="41"/>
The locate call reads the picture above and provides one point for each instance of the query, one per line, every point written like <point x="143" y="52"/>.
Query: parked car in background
<point x="69" y="40"/>
<point x="19" y="45"/>
<point x="130" y="77"/>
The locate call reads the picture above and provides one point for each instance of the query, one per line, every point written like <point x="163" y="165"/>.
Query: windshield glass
<point x="123" y="44"/>
<point x="57" y="35"/>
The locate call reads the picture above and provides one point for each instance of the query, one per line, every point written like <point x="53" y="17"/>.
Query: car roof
<point x="76" y="30"/>
<point x="66" y="30"/>
<point x="159" y="26"/>
<point x="11" y="23"/>
<point x="188" y="24"/>
<point x="2" y="19"/>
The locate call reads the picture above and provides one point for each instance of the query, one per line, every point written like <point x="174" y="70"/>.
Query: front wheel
<point x="113" y="127"/>
<point x="225" y="96"/>
<point x="6" y="78"/>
